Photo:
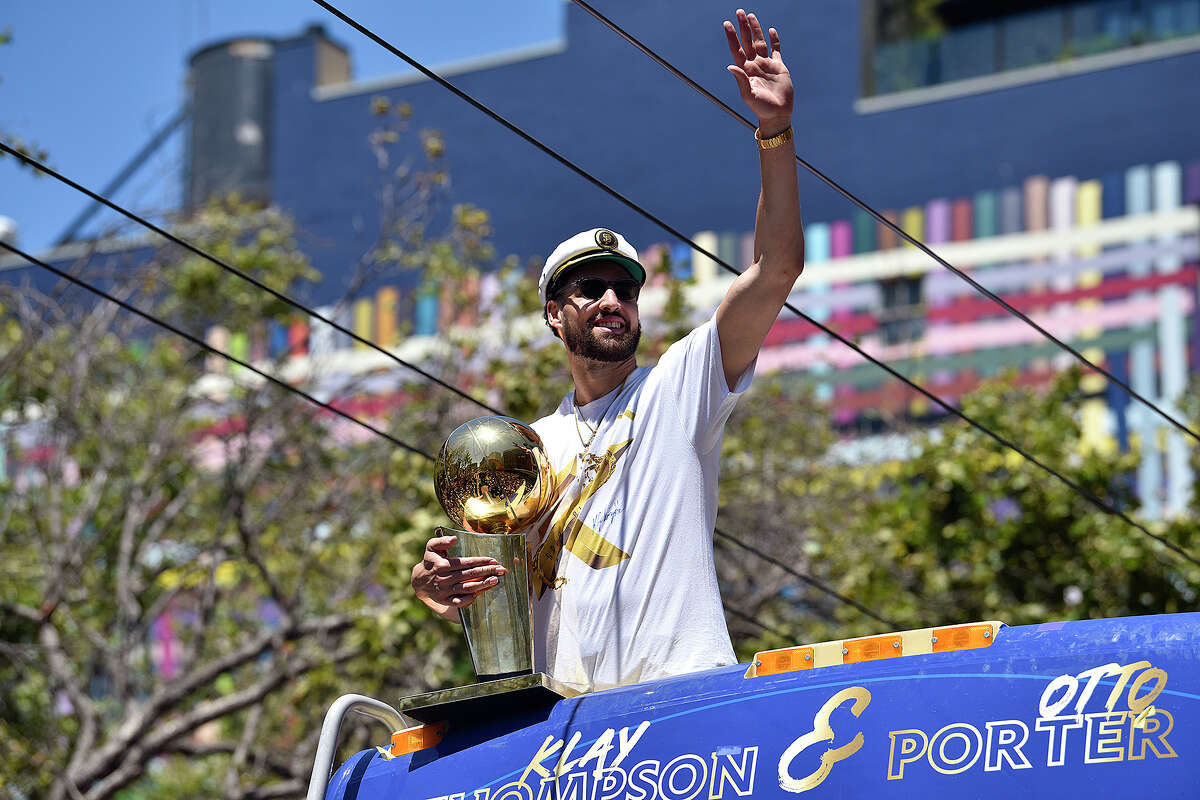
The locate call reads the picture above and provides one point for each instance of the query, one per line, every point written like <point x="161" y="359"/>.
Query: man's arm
<point x="753" y="302"/>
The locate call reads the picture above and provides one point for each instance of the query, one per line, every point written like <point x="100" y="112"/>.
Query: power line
<point x="1078" y="489"/>
<point x="38" y="165"/>
<point x="995" y="298"/>
<point x="101" y="199"/>
<point x="811" y="581"/>
<point x="219" y="262"/>
<point x="206" y="346"/>
<point x="742" y="615"/>
<point x="296" y="390"/>
<point x="201" y="253"/>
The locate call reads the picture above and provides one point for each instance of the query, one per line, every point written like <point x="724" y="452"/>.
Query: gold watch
<point x="778" y="140"/>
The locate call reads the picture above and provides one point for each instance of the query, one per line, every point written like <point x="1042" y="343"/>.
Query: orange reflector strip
<point x="414" y="739"/>
<point x="961" y="637"/>
<point x="776" y="661"/>
<point x="870" y="649"/>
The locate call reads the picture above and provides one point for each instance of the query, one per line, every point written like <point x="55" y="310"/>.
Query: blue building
<point x="602" y="104"/>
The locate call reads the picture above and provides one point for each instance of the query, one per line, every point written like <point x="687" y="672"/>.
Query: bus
<point x="1091" y="708"/>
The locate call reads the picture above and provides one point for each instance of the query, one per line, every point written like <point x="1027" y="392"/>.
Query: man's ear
<point x="554" y="317"/>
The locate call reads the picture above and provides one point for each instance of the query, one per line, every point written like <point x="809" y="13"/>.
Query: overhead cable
<point x="495" y="116"/>
<point x="206" y="346"/>
<point x="882" y="220"/>
<point x="327" y="406"/>
<point x="811" y="581"/>
<point x="742" y="615"/>
<point x="203" y="254"/>
<point x="296" y="390"/>
<point x="296" y="304"/>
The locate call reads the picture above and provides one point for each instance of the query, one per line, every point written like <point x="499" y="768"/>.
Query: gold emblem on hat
<point x="606" y="239"/>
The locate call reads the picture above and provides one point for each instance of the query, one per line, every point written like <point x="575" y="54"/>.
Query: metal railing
<point x="331" y="730"/>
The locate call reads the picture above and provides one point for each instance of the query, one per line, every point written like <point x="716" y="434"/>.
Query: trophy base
<point x="481" y="701"/>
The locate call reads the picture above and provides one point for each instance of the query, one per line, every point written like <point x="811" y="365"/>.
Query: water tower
<point x="229" y="149"/>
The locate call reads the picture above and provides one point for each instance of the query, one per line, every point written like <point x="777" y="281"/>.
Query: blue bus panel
<point x="1096" y="709"/>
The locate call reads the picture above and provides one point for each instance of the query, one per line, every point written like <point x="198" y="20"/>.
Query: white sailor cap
<point x="598" y="244"/>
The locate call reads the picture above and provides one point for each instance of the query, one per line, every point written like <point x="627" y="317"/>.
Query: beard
<point x="586" y="344"/>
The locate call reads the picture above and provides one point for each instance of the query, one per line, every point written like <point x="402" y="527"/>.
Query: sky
<point x="90" y="82"/>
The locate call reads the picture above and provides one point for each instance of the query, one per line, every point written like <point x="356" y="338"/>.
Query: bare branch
<point x="248" y="537"/>
<point x="22" y="611"/>
<point x="70" y="555"/>
<point x="169" y="513"/>
<point x="63" y="675"/>
<point x="132" y="761"/>
<point x="111" y="655"/>
<point x="209" y="710"/>
<point x="143" y="723"/>
<point x="291" y="788"/>
<point x="127" y="606"/>
<point x="238" y="762"/>
<point x="282" y="767"/>
<point x="208" y="604"/>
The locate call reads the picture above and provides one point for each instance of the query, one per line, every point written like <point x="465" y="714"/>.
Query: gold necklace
<point x="590" y="461"/>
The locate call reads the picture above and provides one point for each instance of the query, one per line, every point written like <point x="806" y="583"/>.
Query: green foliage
<point x="151" y="494"/>
<point x="260" y="242"/>
<point x="228" y="517"/>
<point x="965" y="530"/>
<point x="773" y="485"/>
<point x="908" y="19"/>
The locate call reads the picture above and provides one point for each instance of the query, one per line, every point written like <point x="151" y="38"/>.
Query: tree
<point x="966" y="530"/>
<point x="196" y="564"/>
<point x="20" y="145"/>
<point x="142" y="508"/>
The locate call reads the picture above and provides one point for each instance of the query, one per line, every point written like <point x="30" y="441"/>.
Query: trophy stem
<point x="499" y="624"/>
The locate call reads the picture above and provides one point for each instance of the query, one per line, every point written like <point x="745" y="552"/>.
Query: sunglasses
<point x="626" y="289"/>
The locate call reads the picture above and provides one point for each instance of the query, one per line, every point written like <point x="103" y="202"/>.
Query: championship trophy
<point x="493" y="481"/>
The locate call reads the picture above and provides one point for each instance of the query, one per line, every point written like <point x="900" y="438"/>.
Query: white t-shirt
<point x="624" y="586"/>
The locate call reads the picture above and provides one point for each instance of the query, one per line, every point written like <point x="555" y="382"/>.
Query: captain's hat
<point x="598" y="244"/>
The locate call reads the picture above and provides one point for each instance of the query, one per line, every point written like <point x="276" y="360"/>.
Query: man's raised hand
<point x="763" y="80"/>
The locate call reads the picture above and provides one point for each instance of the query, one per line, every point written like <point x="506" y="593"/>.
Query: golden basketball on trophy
<point x="492" y="476"/>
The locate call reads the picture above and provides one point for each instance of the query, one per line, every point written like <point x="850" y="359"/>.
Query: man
<point x="624" y="586"/>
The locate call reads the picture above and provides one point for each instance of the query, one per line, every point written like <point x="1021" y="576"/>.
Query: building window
<point x="910" y="44"/>
<point x="902" y="316"/>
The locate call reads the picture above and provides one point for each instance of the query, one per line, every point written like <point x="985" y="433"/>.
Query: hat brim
<point x="635" y="270"/>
